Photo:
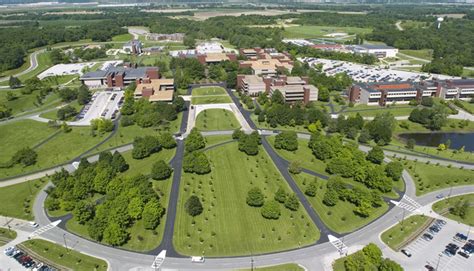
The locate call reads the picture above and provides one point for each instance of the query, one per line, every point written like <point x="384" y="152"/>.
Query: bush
<point x="196" y="162"/>
<point x="193" y="206"/>
<point x="255" y="197"/>
<point x="292" y="202"/>
<point x="271" y="210"/>
<point x="161" y="170"/>
<point x="286" y="140"/>
<point x="25" y="156"/>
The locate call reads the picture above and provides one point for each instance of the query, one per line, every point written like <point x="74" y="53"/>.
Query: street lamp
<point x="439" y="258"/>
<point x="65" y="243"/>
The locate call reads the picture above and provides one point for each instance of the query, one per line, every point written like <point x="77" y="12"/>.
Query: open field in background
<point x="315" y="31"/>
<point x="17" y="199"/>
<point x="398" y="234"/>
<point x="64" y="257"/>
<point x="228" y="226"/>
<point x="123" y="38"/>
<point x="442" y="208"/>
<point x="216" y="119"/>
<point x="372" y="111"/>
<point x="341" y="217"/>
<point x="427" y="176"/>
<point x="423" y="53"/>
<point x="208" y="91"/>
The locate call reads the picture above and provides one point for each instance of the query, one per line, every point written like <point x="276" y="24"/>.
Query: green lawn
<point x="398" y="235"/>
<point x="208" y="91"/>
<point x="468" y="105"/>
<point x="442" y="208"/>
<point x="216" y="119"/>
<point x="281" y="267"/>
<point x="372" y="111"/>
<point x="303" y="154"/>
<point x="54" y="113"/>
<point x="314" y="31"/>
<point x="27" y="103"/>
<point x="265" y="125"/>
<point x="339" y="218"/>
<point x="423" y="54"/>
<point x="211" y="100"/>
<point x="431" y="177"/>
<point x="216" y="139"/>
<point x="123" y="38"/>
<point x="17" y="199"/>
<point x="143" y="166"/>
<point x="6" y="236"/>
<point x="228" y="226"/>
<point x="64" y="257"/>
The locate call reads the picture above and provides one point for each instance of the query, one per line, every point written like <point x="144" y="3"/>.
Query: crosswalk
<point x="411" y="201"/>
<point x="407" y="203"/>
<point x="338" y="244"/>
<point x="45" y="228"/>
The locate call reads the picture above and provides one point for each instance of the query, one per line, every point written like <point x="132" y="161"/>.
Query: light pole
<point x="65" y="243"/>
<point x="439" y="258"/>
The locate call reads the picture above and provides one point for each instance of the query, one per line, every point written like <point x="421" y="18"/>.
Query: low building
<point x="118" y="77"/>
<point x="213" y="58"/>
<point x="462" y="89"/>
<point x="251" y="85"/>
<point x="380" y="51"/>
<point x="153" y="50"/>
<point x="177" y="37"/>
<point x="133" y="47"/>
<point x="210" y="47"/>
<point x="331" y="47"/>
<point x="155" y="90"/>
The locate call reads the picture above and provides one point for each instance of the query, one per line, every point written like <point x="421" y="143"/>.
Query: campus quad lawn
<point x="6" y="236"/>
<point x="281" y="267"/>
<point x="339" y="218"/>
<point x="303" y="154"/>
<point x="432" y="177"/>
<point x="216" y="139"/>
<point x="20" y="134"/>
<point x="64" y="257"/>
<point x="62" y="148"/>
<point x="313" y="31"/>
<point x="216" y="119"/>
<point x="401" y="110"/>
<point x="211" y="100"/>
<point x="398" y="234"/>
<point x="228" y="226"/>
<point x="208" y="91"/>
<point x="16" y="197"/>
<point x="442" y="208"/>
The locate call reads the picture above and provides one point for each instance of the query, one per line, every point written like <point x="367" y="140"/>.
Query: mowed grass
<point x="27" y="103"/>
<point x="144" y="166"/>
<point x="208" y="91"/>
<point x="423" y="54"/>
<point x="216" y="139"/>
<point x="281" y="267"/>
<point x="432" y="177"/>
<point x="316" y="31"/>
<point x="442" y="208"/>
<point x="211" y="100"/>
<point x="6" y="236"/>
<point x="64" y="257"/>
<point x="341" y="217"/>
<point x="372" y="111"/>
<point x="397" y="235"/>
<point x="228" y="226"/>
<point x="19" y="134"/>
<point x="60" y="149"/>
<point x="17" y="199"/>
<point x="124" y="37"/>
<point x="54" y="113"/>
<point x="303" y="154"/>
<point x="216" y="119"/>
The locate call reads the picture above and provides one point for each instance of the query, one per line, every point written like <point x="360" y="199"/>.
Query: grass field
<point x="143" y="166"/>
<point x="372" y="111"/>
<point x="6" y="236"/>
<point x="17" y="199"/>
<point x="216" y="119"/>
<point x="216" y="139"/>
<point x="303" y="154"/>
<point x="423" y="54"/>
<point x="400" y="233"/>
<point x="208" y="91"/>
<point x="282" y="267"/>
<point x="427" y="176"/>
<point x="211" y="100"/>
<point x="468" y="105"/>
<point x="123" y="38"/>
<point x="27" y="103"/>
<point x="442" y="208"/>
<point x="314" y="31"/>
<point x="228" y="226"/>
<point x="64" y="257"/>
<point x="54" y="113"/>
<point x="339" y="218"/>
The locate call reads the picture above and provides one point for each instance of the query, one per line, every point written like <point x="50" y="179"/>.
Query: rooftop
<point x="374" y="46"/>
<point x="161" y="91"/>
<point x="253" y="79"/>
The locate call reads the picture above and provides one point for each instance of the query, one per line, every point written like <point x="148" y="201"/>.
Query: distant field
<point x="314" y="31"/>
<point x="372" y="111"/>
<point x="424" y="53"/>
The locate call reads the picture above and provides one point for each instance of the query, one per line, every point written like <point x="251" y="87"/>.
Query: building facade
<point x="133" y="47"/>
<point x="380" y="51"/>
<point x="118" y="77"/>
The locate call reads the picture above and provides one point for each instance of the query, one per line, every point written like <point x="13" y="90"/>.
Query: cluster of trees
<point x="147" y="145"/>
<point x="347" y="126"/>
<point x="187" y="71"/>
<point x="380" y="129"/>
<point x="370" y="258"/>
<point x="461" y="208"/>
<point x="247" y="143"/>
<point x="101" y="125"/>
<point x="432" y="118"/>
<point x="287" y="140"/>
<point x="195" y="161"/>
<point x="271" y="208"/>
<point x="125" y="200"/>
<point x="82" y="94"/>
<point x="66" y="112"/>
<point x="58" y="56"/>
<point x="148" y="114"/>
<point x="25" y="157"/>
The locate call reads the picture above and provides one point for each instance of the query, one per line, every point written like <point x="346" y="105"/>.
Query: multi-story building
<point x="155" y="90"/>
<point x="133" y="47"/>
<point x="118" y="77"/>
<point x="293" y="88"/>
<point x="265" y="61"/>
<point x="213" y="58"/>
<point x="383" y="93"/>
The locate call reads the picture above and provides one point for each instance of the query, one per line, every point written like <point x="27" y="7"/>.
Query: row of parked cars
<point x="87" y="106"/>
<point x="27" y="261"/>
<point x="429" y="234"/>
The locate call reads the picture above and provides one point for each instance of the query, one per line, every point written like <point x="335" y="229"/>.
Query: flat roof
<point x="158" y="93"/>
<point x="375" y="46"/>
<point x="253" y="79"/>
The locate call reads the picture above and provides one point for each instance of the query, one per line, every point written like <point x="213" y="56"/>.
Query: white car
<point x="34" y="224"/>
<point x="8" y="251"/>
<point x="197" y="259"/>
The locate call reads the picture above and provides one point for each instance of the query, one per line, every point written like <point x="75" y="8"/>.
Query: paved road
<point x="33" y="65"/>
<point x="399" y="26"/>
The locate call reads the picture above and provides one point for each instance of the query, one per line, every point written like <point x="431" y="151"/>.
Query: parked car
<point x="427" y="237"/>
<point x="464" y="254"/>
<point x="197" y="259"/>
<point x="429" y="267"/>
<point x="460" y="237"/>
<point x="9" y="251"/>
<point x="404" y="251"/>
<point x="440" y="221"/>
<point x="34" y="224"/>
<point x="440" y="196"/>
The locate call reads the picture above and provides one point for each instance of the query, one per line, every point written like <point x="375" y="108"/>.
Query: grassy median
<point x="17" y="199"/>
<point x="464" y="214"/>
<point x="396" y="236"/>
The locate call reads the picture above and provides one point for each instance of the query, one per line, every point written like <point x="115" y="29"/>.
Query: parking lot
<point x="434" y="253"/>
<point x="104" y="104"/>
<point x="366" y="73"/>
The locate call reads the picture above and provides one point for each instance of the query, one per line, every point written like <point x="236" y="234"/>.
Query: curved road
<point x="33" y="65"/>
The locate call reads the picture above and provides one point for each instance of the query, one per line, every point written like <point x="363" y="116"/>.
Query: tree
<point x="271" y="210"/>
<point x="194" y="141"/>
<point x="196" y="162"/>
<point x="14" y="82"/>
<point x="167" y="141"/>
<point x="83" y="212"/>
<point x="145" y="146"/>
<point x="135" y="208"/>
<point x="118" y="163"/>
<point x="312" y="188"/>
<point x="389" y="265"/>
<point x="152" y="213"/>
<point x="287" y="140"/>
<point x="277" y="97"/>
<point x="193" y="206"/>
<point x="441" y="147"/>
<point x="427" y="101"/>
<point x="255" y="197"/>
<point x="25" y="156"/>
<point x="66" y="112"/>
<point x="295" y="167"/>
<point x="292" y="202"/>
<point x="410" y="144"/>
<point x="373" y="253"/>
<point x="115" y="235"/>
<point x="237" y="134"/>
<point x="364" y="136"/>
<point x="323" y="94"/>
<point x="161" y="170"/>
<point x="394" y="170"/>
<point x="376" y="155"/>
<point x="382" y="127"/>
<point x="280" y="195"/>
<point x="83" y="95"/>
<point x="189" y="41"/>
<point x="67" y="94"/>
<point x="330" y="197"/>
<point x="249" y="144"/>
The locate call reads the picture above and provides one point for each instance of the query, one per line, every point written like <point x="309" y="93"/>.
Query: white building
<point x="380" y="51"/>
